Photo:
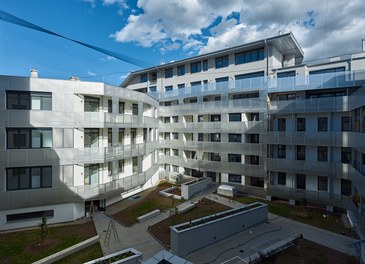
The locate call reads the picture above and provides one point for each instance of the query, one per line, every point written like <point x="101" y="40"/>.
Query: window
<point x="286" y="74"/>
<point x="256" y="181"/>
<point x="250" y="75"/>
<point x="168" y="88"/>
<point x="91" y="104"/>
<point x="244" y="96"/>
<point x="175" y="119"/>
<point x="322" y="183"/>
<point x="154" y="76"/>
<point x="91" y="137"/>
<point x="215" y="137"/>
<point x="249" y="56"/>
<point x="252" y="159"/>
<point x="110" y="168"/>
<point x="28" y="178"/>
<point x="301" y="181"/>
<point x="181" y="70"/>
<point x="175" y="152"/>
<point x="200" y="118"/>
<point x="221" y="62"/>
<point x="121" y="165"/>
<point x="198" y="83"/>
<point x="322" y="124"/>
<point x="281" y="178"/>
<point x="144" y="135"/>
<point x="30" y="215"/>
<point x="175" y="135"/>
<point x="23" y="138"/>
<point x="110" y="137"/>
<point x="252" y="138"/>
<point x="168" y="73"/>
<point x="346" y="155"/>
<point x="153" y="89"/>
<point x="215" y="156"/>
<point x="215" y="118"/>
<point x="234" y="117"/>
<point x="181" y="86"/>
<point x="195" y="67"/>
<point x="205" y="65"/>
<point x="91" y="174"/>
<point x="322" y="153"/>
<point x="143" y="78"/>
<point x="281" y="124"/>
<point x="175" y="168"/>
<point x="133" y="136"/>
<point x="110" y="106"/>
<point x="363" y="158"/>
<point x="234" y="158"/>
<point x="29" y="100"/>
<point x="135" y="164"/>
<point x="135" y="109"/>
<point x="234" y="178"/>
<point x="253" y="117"/>
<point x="331" y="70"/>
<point x="121" y="107"/>
<point x="300" y="124"/>
<point x="234" y="137"/>
<point x="285" y="96"/>
<point x="281" y="151"/>
<point x="345" y="124"/>
<point x="121" y="136"/>
<point x="200" y="137"/>
<point x="300" y="152"/>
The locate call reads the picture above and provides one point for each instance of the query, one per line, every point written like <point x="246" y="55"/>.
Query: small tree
<point x="43" y="230"/>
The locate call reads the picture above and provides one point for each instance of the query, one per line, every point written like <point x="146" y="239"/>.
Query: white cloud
<point x="322" y="28"/>
<point x="91" y="2"/>
<point x="91" y="73"/>
<point x="121" y="3"/>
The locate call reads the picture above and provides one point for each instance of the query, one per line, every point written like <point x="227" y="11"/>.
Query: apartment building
<point x="256" y="117"/>
<point x="68" y="147"/>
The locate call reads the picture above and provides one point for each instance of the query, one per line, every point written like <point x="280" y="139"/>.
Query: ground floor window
<point x="234" y="178"/>
<point x="257" y="182"/>
<point x="281" y="178"/>
<point x="29" y="216"/>
<point x="301" y="181"/>
<point x="322" y="183"/>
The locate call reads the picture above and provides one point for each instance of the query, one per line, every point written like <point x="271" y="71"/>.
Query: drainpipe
<point x="267" y="58"/>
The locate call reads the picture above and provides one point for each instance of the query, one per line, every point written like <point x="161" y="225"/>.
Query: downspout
<point x="267" y="58"/>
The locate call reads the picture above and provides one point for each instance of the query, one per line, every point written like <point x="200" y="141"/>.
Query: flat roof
<point x="285" y="44"/>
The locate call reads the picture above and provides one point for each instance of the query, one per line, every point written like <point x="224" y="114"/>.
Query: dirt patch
<point x="203" y="208"/>
<point x="177" y="191"/>
<point x="46" y="245"/>
<point x="305" y="251"/>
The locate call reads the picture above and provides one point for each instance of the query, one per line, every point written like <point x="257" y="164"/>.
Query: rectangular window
<point x="237" y="158"/>
<point x="23" y="138"/>
<point x="205" y="65"/>
<point x="121" y="136"/>
<point x="286" y="74"/>
<point x="181" y="86"/>
<point x="30" y="215"/>
<point x="175" y="135"/>
<point x="281" y="151"/>
<point x="346" y="155"/>
<point x="91" y="137"/>
<point x="200" y="137"/>
<point x="281" y="124"/>
<point x="322" y="153"/>
<point x="168" y="88"/>
<point x="29" y="100"/>
<point x="244" y="96"/>
<point x="198" y="83"/>
<point x="301" y="181"/>
<point x="249" y="75"/>
<point x="110" y="168"/>
<point x="235" y="178"/>
<point x="322" y="124"/>
<point x="181" y="70"/>
<point x="175" y="119"/>
<point x="133" y="136"/>
<point x="91" y="174"/>
<point x="215" y="156"/>
<point x="28" y="178"/>
<point x="168" y="73"/>
<point x="234" y="138"/>
<point x="215" y="137"/>
<point x="135" y="109"/>
<point x="110" y="106"/>
<point x="281" y="178"/>
<point x="221" y="62"/>
<point x="153" y="89"/>
<point x="215" y="118"/>
<point x="41" y="101"/>
<point x="110" y="137"/>
<point x="195" y="67"/>
<point x="91" y="104"/>
<point x="234" y="117"/>
<point x="121" y="165"/>
<point x="154" y="76"/>
<point x="346" y="124"/>
<point x="135" y="164"/>
<point x="175" y="168"/>
<point x="300" y="124"/>
<point x="331" y="70"/>
<point x="300" y="152"/>
<point x="121" y="107"/>
<point x="322" y="183"/>
<point x="249" y="56"/>
<point x="143" y="78"/>
<point x="175" y="152"/>
<point x="252" y="159"/>
<point x="257" y="181"/>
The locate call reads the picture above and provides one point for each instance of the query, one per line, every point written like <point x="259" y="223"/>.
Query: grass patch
<point x="205" y="207"/>
<point x="305" y="251"/>
<point x="88" y="254"/>
<point x="315" y="217"/>
<point x="23" y="247"/>
<point x="150" y="202"/>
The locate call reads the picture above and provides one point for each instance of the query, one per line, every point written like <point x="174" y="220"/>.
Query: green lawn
<point x="23" y="246"/>
<point x="314" y="217"/>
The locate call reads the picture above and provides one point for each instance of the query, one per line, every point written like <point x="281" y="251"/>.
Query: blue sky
<point x="159" y="31"/>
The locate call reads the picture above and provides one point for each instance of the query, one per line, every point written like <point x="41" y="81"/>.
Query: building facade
<point x="69" y="147"/>
<point x="256" y="117"/>
<point x="252" y="116"/>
